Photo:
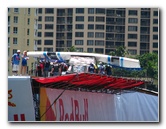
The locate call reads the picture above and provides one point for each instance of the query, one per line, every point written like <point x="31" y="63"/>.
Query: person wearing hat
<point x="24" y="63"/>
<point x="15" y="62"/>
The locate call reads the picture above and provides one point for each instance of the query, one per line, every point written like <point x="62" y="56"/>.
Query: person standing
<point x="108" y="70"/>
<point x="101" y="69"/>
<point x="91" y="68"/>
<point x="56" y="69"/>
<point x="46" y="68"/>
<point x="15" y="61"/>
<point x="24" y="63"/>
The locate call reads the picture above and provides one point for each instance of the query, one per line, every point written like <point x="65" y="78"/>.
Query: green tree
<point x="149" y="63"/>
<point x="120" y="51"/>
<point x="72" y="49"/>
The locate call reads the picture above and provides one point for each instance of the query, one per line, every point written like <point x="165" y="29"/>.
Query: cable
<point x="52" y="103"/>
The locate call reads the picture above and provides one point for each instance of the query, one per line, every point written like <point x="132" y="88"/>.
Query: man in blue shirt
<point x="15" y="62"/>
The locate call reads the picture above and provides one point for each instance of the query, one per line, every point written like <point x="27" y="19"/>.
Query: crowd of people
<point x="100" y="69"/>
<point x="45" y="68"/>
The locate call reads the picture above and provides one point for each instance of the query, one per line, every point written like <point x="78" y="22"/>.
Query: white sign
<point x="20" y="99"/>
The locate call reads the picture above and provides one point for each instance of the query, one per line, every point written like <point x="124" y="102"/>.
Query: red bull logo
<point x="10" y="96"/>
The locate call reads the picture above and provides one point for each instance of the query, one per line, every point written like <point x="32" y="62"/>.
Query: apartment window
<point x="49" y="10"/>
<point x="132" y="28"/>
<point x="27" y="42"/>
<point x="145" y="14"/>
<point x="14" y="51"/>
<point x="8" y="30"/>
<point x="155" y="37"/>
<point x="99" y="35"/>
<point x="69" y="35"/>
<point x="48" y="49"/>
<point x="79" y="26"/>
<point x="79" y="10"/>
<point x="110" y="12"/>
<point x="155" y="13"/>
<point x="100" y="19"/>
<point x="15" y="30"/>
<point x="40" y="18"/>
<point x="100" y="11"/>
<point x="79" y="34"/>
<point x="99" y="27"/>
<point x="28" y="21"/>
<point x="39" y="34"/>
<point x="132" y="44"/>
<point x="8" y="9"/>
<point x="90" y="34"/>
<point x="145" y="38"/>
<point x="91" y="10"/>
<point x="39" y="49"/>
<point x="27" y="31"/>
<point x="155" y="45"/>
<point x="133" y="20"/>
<point x="79" y="49"/>
<point x="90" y="50"/>
<point x="90" y="26"/>
<point x="155" y="21"/>
<point x="39" y="26"/>
<point x="39" y="42"/>
<point x="90" y="18"/>
<point x="79" y="42"/>
<point x="90" y="42"/>
<point x="40" y="10"/>
<point x="80" y="18"/>
<point x="29" y="10"/>
<point x="15" y="19"/>
<point x="133" y="12"/>
<point x="155" y="51"/>
<point x="16" y="10"/>
<point x="69" y="43"/>
<point x="60" y="44"/>
<point x="155" y="29"/>
<point x="132" y="36"/>
<point x="48" y="34"/>
<point x="132" y="52"/>
<point x="8" y="20"/>
<point x="14" y="40"/>
<point x="99" y="43"/>
<point x="70" y="11"/>
<point x="48" y="42"/>
<point x="49" y="19"/>
<point x="99" y="50"/>
<point x="49" y="26"/>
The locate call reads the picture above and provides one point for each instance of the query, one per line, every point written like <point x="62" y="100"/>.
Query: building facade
<point x="98" y="30"/>
<point x="22" y="33"/>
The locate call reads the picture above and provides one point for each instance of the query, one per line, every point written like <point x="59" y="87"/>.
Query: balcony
<point x="145" y="24"/>
<point x="120" y="23"/>
<point x="110" y="38"/>
<point x="145" y="16"/>
<point x="110" y="22"/>
<point x="145" y="32"/>
<point x="110" y="14"/>
<point x="144" y="40"/>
